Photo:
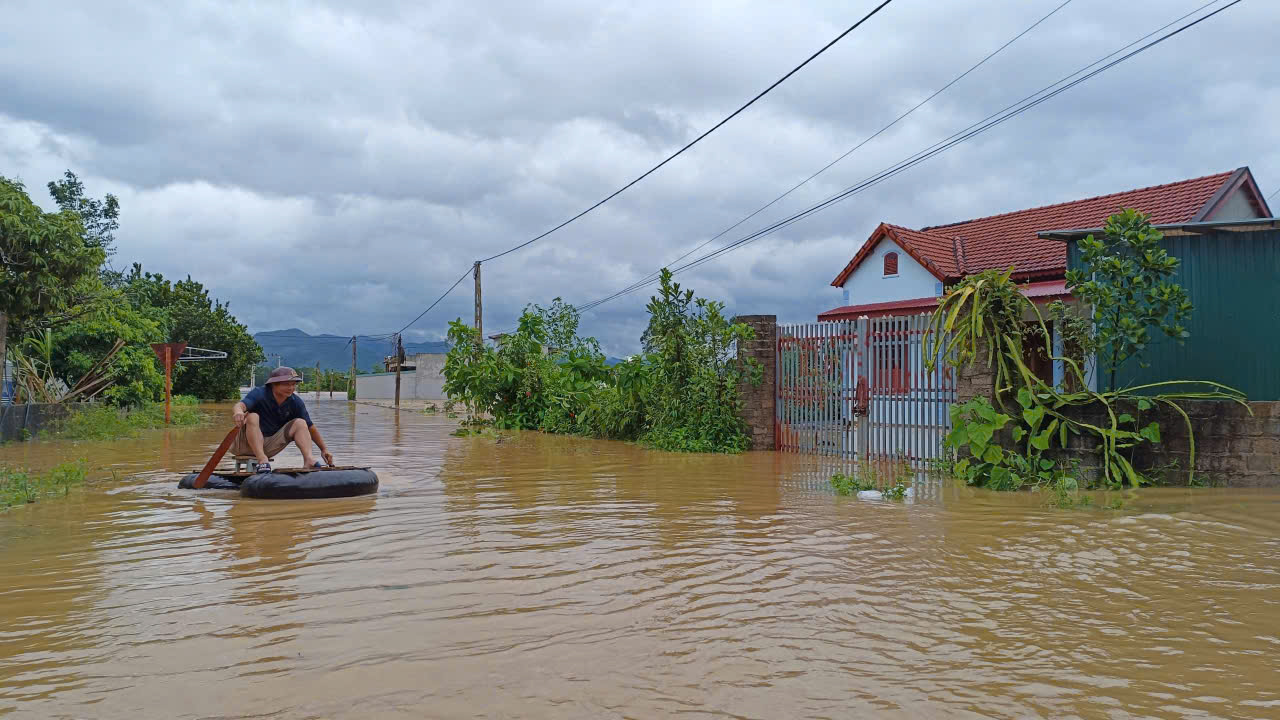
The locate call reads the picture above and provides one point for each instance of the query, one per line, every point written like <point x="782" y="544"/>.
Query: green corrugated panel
<point x="1233" y="279"/>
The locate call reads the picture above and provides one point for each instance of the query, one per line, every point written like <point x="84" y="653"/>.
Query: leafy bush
<point x="985" y="313"/>
<point x="691" y="398"/>
<point x="984" y="462"/>
<point x="105" y="422"/>
<point x="19" y="487"/>
<point x="681" y="394"/>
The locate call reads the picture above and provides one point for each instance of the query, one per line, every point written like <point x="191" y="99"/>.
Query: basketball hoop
<point x="169" y="353"/>
<point x="195" y="354"/>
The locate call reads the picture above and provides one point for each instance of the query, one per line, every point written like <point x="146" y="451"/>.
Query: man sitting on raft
<point x="271" y="417"/>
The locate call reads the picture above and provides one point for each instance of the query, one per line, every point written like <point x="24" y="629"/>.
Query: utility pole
<point x="479" y="308"/>
<point x="399" y="355"/>
<point x="351" y="382"/>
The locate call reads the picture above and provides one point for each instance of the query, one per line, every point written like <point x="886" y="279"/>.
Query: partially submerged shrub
<point x="19" y="487"/>
<point x="105" y="422"/>
<point x="892" y="480"/>
<point x="681" y="394"/>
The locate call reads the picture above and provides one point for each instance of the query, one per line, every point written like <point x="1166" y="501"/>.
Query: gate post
<point x="759" y="402"/>
<point x="864" y="380"/>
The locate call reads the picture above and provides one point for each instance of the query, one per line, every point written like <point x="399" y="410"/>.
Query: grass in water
<point x="19" y="487"/>
<point x="892" y="480"/>
<point x="103" y="422"/>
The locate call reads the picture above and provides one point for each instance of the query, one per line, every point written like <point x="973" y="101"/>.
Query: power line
<point x="696" y="140"/>
<point x="866" y="140"/>
<point x="977" y="128"/>
<point x="890" y="172"/>
<point x="437" y="302"/>
<point x="653" y="169"/>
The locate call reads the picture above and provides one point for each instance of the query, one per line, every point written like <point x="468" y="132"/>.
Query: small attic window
<point x="890" y="264"/>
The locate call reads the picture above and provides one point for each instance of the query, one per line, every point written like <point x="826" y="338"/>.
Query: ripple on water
<point x="552" y="577"/>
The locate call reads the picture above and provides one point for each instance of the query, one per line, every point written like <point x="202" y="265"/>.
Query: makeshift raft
<point x="292" y="483"/>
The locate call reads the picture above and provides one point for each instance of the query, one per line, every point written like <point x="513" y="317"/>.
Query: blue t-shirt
<point x="272" y="417"/>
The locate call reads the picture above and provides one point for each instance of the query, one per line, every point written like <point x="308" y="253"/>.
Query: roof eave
<point x="885" y="230"/>
<point x="1187" y="227"/>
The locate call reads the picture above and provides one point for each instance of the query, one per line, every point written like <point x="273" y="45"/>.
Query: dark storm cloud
<point x="384" y="146"/>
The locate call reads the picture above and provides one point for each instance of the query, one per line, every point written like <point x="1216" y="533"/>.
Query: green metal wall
<point x="1233" y="279"/>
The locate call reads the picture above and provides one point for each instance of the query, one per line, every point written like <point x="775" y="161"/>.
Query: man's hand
<point x="238" y="417"/>
<point x="328" y="457"/>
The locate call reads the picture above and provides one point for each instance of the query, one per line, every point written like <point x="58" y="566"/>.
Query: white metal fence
<point x="860" y="389"/>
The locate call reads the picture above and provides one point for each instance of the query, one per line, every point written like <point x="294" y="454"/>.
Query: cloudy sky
<point x="335" y="166"/>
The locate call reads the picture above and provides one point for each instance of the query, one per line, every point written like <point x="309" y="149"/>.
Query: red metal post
<point x="168" y="353"/>
<point x="168" y="385"/>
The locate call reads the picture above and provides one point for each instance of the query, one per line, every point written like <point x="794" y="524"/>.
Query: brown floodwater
<point x="543" y="576"/>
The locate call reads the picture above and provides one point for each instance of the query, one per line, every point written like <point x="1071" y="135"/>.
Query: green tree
<point x="44" y="262"/>
<point x="100" y="218"/>
<point x="693" y="402"/>
<point x="208" y="323"/>
<point x="82" y="342"/>
<point x="1127" y="281"/>
<point x="184" y="312"/>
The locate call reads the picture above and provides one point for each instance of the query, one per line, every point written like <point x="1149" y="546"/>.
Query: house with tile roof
<point x="902" y="271"/>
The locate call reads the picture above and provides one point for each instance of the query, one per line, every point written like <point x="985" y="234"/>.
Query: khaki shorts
<point x="270" y="445"/>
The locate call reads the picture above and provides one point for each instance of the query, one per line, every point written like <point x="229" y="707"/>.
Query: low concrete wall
<point x="425" y="382"/>
<point x="759" y="401"/>
<point x="32" y="418"/>
<point x="1233" y="447"/>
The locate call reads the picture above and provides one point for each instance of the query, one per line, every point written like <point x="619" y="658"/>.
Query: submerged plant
<point x="20" y="487"/>
<point x="893" y="481"/>
<point x="987" y="314"/>
<point x="105" y="422"/>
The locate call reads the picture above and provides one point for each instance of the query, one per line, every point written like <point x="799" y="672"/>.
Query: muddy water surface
<point x="559" y="577"/>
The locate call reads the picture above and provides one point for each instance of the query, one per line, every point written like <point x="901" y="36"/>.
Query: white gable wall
<point x="868" y="284"/>
<point x="1237" y="207"/>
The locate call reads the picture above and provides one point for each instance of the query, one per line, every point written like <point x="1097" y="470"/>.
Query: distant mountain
<point x="297" y="349"/>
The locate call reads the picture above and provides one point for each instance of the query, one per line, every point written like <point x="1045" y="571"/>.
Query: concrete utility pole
<point x="479" y="308"/>
<point x="399" y="361"/>
<point x="351" y="382"/>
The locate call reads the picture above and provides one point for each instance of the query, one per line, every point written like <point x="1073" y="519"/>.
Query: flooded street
<point x="560" y="577"/>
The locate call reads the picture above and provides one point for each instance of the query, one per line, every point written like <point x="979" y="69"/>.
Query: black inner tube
<point x="315" y="484"/>
<point x="284" y="485"/>
<point x="215" y="482"/>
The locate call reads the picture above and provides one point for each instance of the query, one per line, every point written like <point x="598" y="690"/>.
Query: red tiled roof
<point x="1000" y="241"/>
<point x="930" y="250"/>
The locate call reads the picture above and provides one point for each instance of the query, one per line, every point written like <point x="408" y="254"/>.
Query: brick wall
<point x="758" y="400"/>
<point x="976" y="380"/>
<point x="1233" y="447"/>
